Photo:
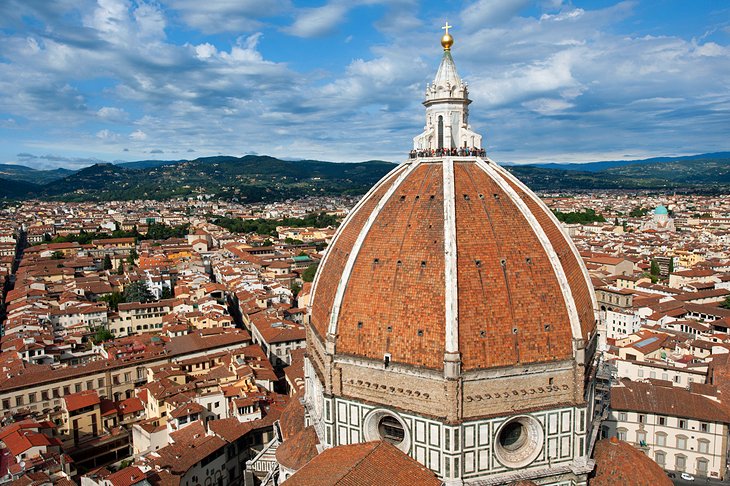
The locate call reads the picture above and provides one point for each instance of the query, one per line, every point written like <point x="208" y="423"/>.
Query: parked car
<point x="687" y="477"/>
<point x="671" y="475"/>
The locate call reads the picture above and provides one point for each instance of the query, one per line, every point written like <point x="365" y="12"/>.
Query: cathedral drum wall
<point x="527" y="391"/>
<point x="418" y="394"/>
<point x="550" y="438"/>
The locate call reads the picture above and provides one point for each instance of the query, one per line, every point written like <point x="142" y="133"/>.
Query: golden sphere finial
<point x="447" y="41"/>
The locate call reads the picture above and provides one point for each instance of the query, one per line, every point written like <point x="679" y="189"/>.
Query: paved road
<point x="699" y="482"/>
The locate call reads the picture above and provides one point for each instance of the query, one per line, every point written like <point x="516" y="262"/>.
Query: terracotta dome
<point x="451" y="312"/>
<point x="452" y="257"/>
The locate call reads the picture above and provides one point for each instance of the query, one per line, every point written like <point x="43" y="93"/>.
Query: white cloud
<point x="111" y="113"/>
<point x="205" y="51"/>
<point x="711" y="49"/>
<point x="150" y="22"/>
<point x="235" y="16"/>
<point x="138" y="135"/>
<point x="107" y="135"/>
<point x="489" y="13"/>
<point x="548" y="106"/>
<point x="318" y="21"/>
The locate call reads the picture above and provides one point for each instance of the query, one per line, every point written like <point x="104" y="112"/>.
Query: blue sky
<point x="342" y="80"/>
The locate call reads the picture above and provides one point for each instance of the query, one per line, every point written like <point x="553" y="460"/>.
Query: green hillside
<point x="257" y="178"/>
<point x="250" y="178"/>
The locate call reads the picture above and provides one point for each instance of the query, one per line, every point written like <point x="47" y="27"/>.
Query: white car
<point x="687" y="477"/>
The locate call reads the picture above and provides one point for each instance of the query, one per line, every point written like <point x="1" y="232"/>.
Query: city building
<point x="680" y="430"/>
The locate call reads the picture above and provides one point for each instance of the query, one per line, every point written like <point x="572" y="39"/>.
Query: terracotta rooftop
<point x="363" y="465"/>
<point x="24" y="439"/>
<point x="298" y="449"/>
<point x="128" y="476"/>
<point x="180" y="456"/>
<point x="292" y="418"/>
<point x="76" y="401"/>
<point x="620" y="463"/>
<point x="671" y="401"/>
<point x="187" y="409"/>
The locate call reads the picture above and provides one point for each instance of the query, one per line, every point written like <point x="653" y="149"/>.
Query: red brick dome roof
<point x="452" y="257"/>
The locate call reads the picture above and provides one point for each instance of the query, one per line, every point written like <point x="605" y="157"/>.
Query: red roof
<point x="24" y="439"/>
<point x="127" y="476"/>
<point x="364" y="465"/>
<point x="80" y="400"/>
<point x="620" y="463"/>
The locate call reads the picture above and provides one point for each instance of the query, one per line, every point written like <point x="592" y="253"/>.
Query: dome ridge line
<point x="345" y="222"/>
<point x="352" y="257"/>
<point x="452" y="359"/>
<point x="508" y="175"/>
<point x="544" y="242"/>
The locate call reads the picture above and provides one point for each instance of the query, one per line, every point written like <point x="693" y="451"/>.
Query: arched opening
<point x="441" y="132"/>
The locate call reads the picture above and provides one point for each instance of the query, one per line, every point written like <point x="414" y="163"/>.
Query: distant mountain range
<point x="27" y="174"/>
<point x="610" y="164"/>
<point x="251" y="178"/>
<point x="255" y="178"/>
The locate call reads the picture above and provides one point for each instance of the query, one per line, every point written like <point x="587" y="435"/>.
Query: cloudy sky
<point x="342" y="80"/>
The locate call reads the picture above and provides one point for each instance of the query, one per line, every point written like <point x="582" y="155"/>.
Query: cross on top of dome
<point x="447" y="41"/>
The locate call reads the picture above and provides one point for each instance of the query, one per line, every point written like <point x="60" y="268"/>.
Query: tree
<point x="57" y="255"/>
<point x="295" y="288"/>
<point x="585" y="217"/>
<point x="308" y="274"/>
<point x="654" y="269"/>
<point x="167" y="292"/>
<point x="671" y="264"/>
<point x="120" y="268"/>
<point x="132" y="256"/>
<point x="101" y="334"/>
<point x="726" y="303"/>
<point x="113" y="300"/>
<point x="107" y="265"/>
<point x="138" y="292"/>
<point x="159" y="231"/>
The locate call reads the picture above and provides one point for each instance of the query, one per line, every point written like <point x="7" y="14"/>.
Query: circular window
<point x="513" y="436"/>
<point x="519" y="441"/>
<point x="381" y="424"/>
<point x="391" y="430"/>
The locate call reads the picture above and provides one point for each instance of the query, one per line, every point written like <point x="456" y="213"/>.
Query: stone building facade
<point x="682" y="431"/>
